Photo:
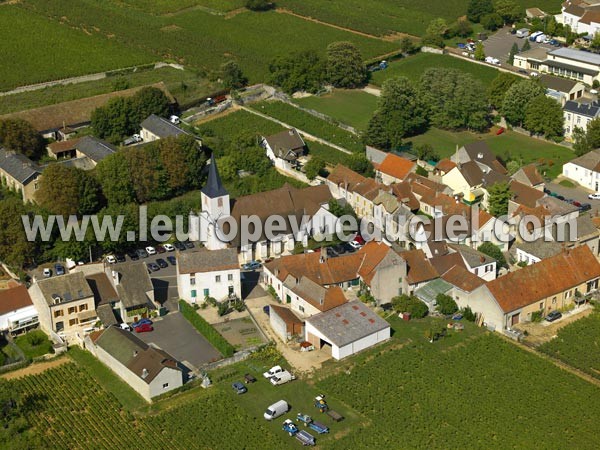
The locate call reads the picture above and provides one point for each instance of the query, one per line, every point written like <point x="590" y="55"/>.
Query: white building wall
<point x="208" y="280"/>
<point x="172" y="378"/>
<point x="585" y="177"/>
<point x="19" y="315"/>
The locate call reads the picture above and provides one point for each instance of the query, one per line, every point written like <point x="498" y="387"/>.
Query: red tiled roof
<point x="331" y="271"/>
<point x="419" y="268"/>
<point x="463" y="279"/>
<point x="292" y="323"/>
<point x="373" y="253"/>
<point x="445" y="165"/>
<point x="445" y="262"/>
<point x="14" y="298"/>
<point x="547" y="278"/>
<point x="345" y="177"/>
<point x="62" y="146"/>
<point x="396" y="166"/>
<point x="524" y="195"/>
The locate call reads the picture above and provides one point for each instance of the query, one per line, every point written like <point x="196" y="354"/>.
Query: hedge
<point x="206" y="329"/>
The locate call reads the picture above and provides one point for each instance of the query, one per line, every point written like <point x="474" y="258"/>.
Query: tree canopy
<point x="544" y="116"/>
<point x="445" y="304"/>
<point x="410" y="304"/>
<point x="499" y="86"/>
<point x="299" y="71"/>
<point x="492" y="250"/>
<point x="232" y="76"/>
<point x="345" y="66"/>
<point x="15" y="249"/>
<point x="314" y="167"/>
<point x="499" y="195"/>
<point x="479" y="8"/>
<point x="19" y="136"/>
<point x="517" y="98"/>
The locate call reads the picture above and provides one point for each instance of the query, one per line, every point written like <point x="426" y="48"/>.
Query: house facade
<point x="585" y="170"/>
<point x="19" y="173"/>
<point x="17" y="312"/>
<point x="578" y="115"/>
<point x="284" y="149"/>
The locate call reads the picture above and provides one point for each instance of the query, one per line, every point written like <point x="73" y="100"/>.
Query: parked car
<point x="172" y="260"/>
<point x="560" y="197"/>
<point x="535" y="35"/>
<point x="554" y="315"/>
<point x="120" y="257"/>
<point x="500" y="131"/>
<point x="174" y="120"/>
<point x="125" y="327"/>
<point x="162" y="263"/>
<point x="179" y="246"/>
<point x="576" y="203"/>
<point x="252" y="265"/>
<point x="47" y="273"/>
<point x="59" y="269"/>
<point x="534" y="74"/>
<point x="239" y="387"/>
<point x="331" y="252"/>
<point x="554" y="43"/>
<point x="153" y="267"/>
<point x="593" y="91"/>
<point x="339" y="249"/>
<point x="523" y="71"/>
<point x="141" y="322"/>
<point x="595" y="196"/>
<point x="585" y="207"/>
<point x="160" y="249"/>
<point x="150" y="250"/>
<point x="188" y="244"/>
<point x="142" y="253"/>
<point x="272" y="371"/>
<point x="169" y="247"/>
<point x="110" y="259"/>
<point x="461" y="45"/>
<point x="547" y="191"/>
<point x="267" y="310"/>
<point x="143" y="328"/>
<point x="133" y="255"/>
<point x="355" y="245"/>
<point x="349" y="248"/>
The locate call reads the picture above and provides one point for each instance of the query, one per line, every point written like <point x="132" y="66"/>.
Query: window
<point x="476" y="271"/>
<point x="230" y="277"/>
<point x="72" y="322"/>
<point x="541" y="305"/>
<point x="578" y="120"/>
<point x="83" y="307"/>
<point x="72" y="310"/>
<point x="60" y="326"/>
<point x="166" y="385"/>
<point x="192" y="279"/>
<point x="567" y="294"/>
<point x="220" y="202"/>
<point x="206" y="292"/>
<point x="218" y="279"/>
<point x="288" y="299"/>
<point x="554" y="300"/>
<point x="194" y="293"/>
<point x="35" y="185"/>
<point x="301" y="308"/>
<point x="58" y="313"/>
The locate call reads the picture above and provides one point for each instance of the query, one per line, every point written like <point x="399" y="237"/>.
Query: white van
<point x="540" y="38"/>
<point x="281" y="378"/>
<point x="276" y="410"/>
<point x="523" y="32"/>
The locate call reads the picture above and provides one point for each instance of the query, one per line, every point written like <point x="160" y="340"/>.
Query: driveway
<point x="499" y="44"/>
<point x="576" y="193"/>
<point x="174" y="334"/>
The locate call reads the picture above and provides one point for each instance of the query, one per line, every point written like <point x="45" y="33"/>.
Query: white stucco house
<point x="208" y="273"/>
<point x="585" y="170"/>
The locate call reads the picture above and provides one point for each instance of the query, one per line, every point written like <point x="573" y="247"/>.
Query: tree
<point x="499" y="86"/>
<point x="581" y="145"/>
<point x="467" y="313"/>
<point x="114" y="175"/>
<point x="593" y="133"/>
<point x="338" y="210"/>
<point x="512" y="167"/>
<point x="513" y="51"/>
<point x="410" y="304"/>
<point x="407" y="46"/>
<point x="259" y="5"/>
<point x="509" y="10"/>
<point x="445" y="304"/>
<point x="544" y="116"/>
<point x="195" y="160"/>
<point x="426" y="152"/>
<point x="232" y="76"/>
<point x="345" y="67"/>
<point x="146" y="175"/>
<point x="358" y="162"/>
<point x="595" y="44"/>
<point x="455" y="99"/>
<point x="174" y="163"/>
<point x="400" y="112"/>
<point x="462" y="28"/>
<point x="314" y="167"/>
<point x="66" y="190"/>
<point x="300" y="71"/>
<point x="19" y="136"/>
<point x="492" y="21"/>
<point x="517" y="98"/>
<point x="437" y="27"/>
<point x="479" y="8"/>
<point x="487" y="248"/>
<point x="499" y="195"/>
<point x="526" y="46"/>
<point x="15" y="249"/>
<point x="479" y="52"/>
<point x="147" y="101"/>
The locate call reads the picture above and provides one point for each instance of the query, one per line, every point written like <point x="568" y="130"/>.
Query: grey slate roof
<point x="576" y="55"/>
<point x="347" y="323"/>
<point x="94" y="148"/>
<point x="583" y="109"/>
<point x="561" y="65"/>
<point x="18" y="166"/>
<point x="134" y="282"/>
<point x="556" y="206"/>
<point x="287" y="144"/>
<point x="213" y="187"/>
<point x="161" y="127"/>
<point x="205" y="260"/>
<point x="557" y="84"/>
<point x="472" y="257"/>
<point x="69" y="287"/>
<point x="541" y="249"/>
<point x="588" y="161"/>
<point x="586" y="227"/>
<point x="106" y="315"/>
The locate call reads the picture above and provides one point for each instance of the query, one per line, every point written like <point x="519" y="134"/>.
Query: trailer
<point x="336" y="417"/>
<point x="318" y="427"/>
<point x="290" y="427"/>
<point x="305" y="438"/>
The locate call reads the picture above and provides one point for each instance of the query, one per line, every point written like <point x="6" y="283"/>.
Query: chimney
<point x="115" y="277"/>
<point x="482" y="258"/>
<point x="135" y="353"/>
<point x="479" y="155"/>
<point x="144" y="373"/>
<point x="291" y="132"/>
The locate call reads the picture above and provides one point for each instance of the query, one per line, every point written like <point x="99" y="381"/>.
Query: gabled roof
<point x="70" y="287"/>
<point x="480" y="152"/>
<point x="286" y="315"/>
<point x="322" y="298"/>
<point x="143" y="360"/>
<point x="529" y="175"/>
<point x="429" y="292"/>
<point x="419" y="269"/>
<point x="576" y="55"/>
<point x="14" y="298"/>
<point x="545" y="279"/>
<point x="63" y="146"/>
<point x="525" y="195"/>
<point x="376" y="255"/>
<point x="541" y="248"/>
<point x="214" y="186"/>
<point x="348" y="323"/>
<point x="368" y="188"/>
<point x="558" y="84"/>
<point x="103" y="289"/>
<point x="18" y="166"/>
<point x="205" y="260"/>
<point x="461" y="278"/>
<point x="443" y="263"/>
<point x="134" y="284"/>
<point x="161" y="127"/>
<point x="590" y="161"/>
<point x="345" y="177"/>
<point x="396" y="166"/>
<point x="287" y="144"/>
<point x="472" y="257"/>
<point x="445" y="165"/>
<point x="94" y="148"/>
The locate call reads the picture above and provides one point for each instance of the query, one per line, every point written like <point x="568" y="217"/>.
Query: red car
<point x="145" y="327"/>
<point x="358" y="238"/>
<point x="500" y="131"/>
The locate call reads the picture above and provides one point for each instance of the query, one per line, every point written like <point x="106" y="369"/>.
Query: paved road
<point x="174" y="334"/>
<point x="499" y="44"/>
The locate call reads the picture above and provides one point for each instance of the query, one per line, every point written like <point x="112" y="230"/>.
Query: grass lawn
<point x="185" y="85"/>
<point x="34" y="344"/>
<point x="106" y="378"/>
<point x="414" y="66"/>
<point x="509" y="145"/>
<point x="351" y="107"/>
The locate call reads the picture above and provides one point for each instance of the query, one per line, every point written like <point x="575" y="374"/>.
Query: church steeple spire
<point x="214" y="187"/>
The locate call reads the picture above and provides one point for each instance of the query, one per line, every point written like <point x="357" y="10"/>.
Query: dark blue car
<point x="141" y="322"/>
<point x="59" y="269"/>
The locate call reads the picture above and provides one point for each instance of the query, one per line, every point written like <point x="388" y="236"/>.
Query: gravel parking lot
<point x="499" y="44"/>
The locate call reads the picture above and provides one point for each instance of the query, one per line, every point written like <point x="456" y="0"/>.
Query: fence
<point x="437" y="51"/>
<point x="236" y="358"/>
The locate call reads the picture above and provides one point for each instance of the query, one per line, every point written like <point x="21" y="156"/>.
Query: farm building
<point x="17" y="312"/>
<point x="285" y="323"/>
<point x="155" y="128"/>
<point x="348" y="329"/>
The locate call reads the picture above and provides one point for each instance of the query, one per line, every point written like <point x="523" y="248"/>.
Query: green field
<point x="172" y="6"/>
<point x="310" y="124"/>
<point x="578" y="344"/>
<point x="507" y="146"/>
<point x="51" y="51"/>
<point x="350" y="107"/>
<point x="381" y="17"/>
<point x="198" y="38"/>
<point x="470" y="388"/>
<point x="414" y="66"/>
<point x="186" y="86"/>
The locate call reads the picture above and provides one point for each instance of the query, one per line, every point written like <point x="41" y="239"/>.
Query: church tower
<point x="215" y="205"/>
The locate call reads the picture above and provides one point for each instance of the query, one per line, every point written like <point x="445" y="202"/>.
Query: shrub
<point x="537" y="316"/>
<point x="410" y="304"/>
<point x="258" y="5"/>
<point x="222" y="308"/>
<point x="468" y="314"/>
<point x="421" y="171"/>
<point x="206" y="329"/>
<point x="446" y="304"/>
